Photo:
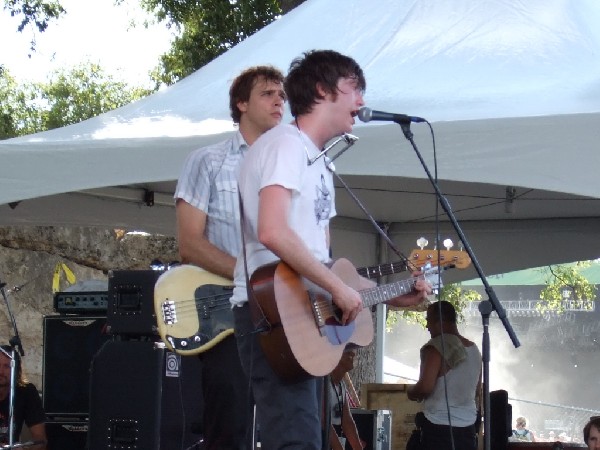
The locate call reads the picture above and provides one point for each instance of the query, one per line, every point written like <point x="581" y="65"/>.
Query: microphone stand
<point x="486" y="306"/>
<point x="15" y="343"/>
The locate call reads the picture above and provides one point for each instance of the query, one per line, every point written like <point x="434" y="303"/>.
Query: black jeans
<point x="439" y="437"/>
<point x="228" y="403"/>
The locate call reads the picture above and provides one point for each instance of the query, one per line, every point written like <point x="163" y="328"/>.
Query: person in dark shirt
<point x="28" y="408"/>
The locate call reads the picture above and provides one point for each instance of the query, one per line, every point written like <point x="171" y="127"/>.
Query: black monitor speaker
<point x="144" y="397"/>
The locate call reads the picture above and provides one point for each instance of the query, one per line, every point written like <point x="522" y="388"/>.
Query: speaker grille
<point x="69" y="346"/>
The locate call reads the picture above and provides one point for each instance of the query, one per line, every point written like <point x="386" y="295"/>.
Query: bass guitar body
<point x="192" y="308"/>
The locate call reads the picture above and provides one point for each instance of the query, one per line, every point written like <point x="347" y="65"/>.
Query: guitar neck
<point x="383" y="269"/>
<point x="383" y="293"/>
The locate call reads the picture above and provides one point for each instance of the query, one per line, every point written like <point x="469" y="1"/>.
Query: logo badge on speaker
<point x="172" y="365"/>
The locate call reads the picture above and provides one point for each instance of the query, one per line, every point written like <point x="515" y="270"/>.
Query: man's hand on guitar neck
<point x="418" y="296"/>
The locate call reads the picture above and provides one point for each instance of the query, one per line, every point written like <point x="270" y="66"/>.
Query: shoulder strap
<point x="258" y="316"/>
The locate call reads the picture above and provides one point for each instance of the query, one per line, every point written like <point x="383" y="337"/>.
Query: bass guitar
<point x="193" y="312"/>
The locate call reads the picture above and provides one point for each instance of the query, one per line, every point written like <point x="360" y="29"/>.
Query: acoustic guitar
<point x="302" y="334"/>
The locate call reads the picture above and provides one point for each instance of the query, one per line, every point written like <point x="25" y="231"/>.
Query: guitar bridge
<point x="169" y="312"/>
<point x="317" y="313"/>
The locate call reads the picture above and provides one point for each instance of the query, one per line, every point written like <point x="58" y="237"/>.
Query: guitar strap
<point x="259" y="319"/>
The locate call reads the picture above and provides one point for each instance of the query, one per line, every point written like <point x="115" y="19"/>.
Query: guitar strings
<point x="328" y="308"/>
<point x="187" y="305"/>
<point x="376" y="271"/>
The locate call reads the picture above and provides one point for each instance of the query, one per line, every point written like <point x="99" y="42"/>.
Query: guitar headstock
<point x="457" y="258"/>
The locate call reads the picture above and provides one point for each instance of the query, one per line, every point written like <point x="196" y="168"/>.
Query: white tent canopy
<point x="512" y="90"/>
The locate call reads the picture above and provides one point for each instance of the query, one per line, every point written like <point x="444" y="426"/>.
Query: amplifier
<point x="374" y="427"/>
<point x="70" y="343"/>
<point x="131" y="302"/>
<point x="81" y="302"/>
<point x="66" y="435"/>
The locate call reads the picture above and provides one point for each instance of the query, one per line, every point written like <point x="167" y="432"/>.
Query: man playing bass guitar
<point x="209" y="237"/>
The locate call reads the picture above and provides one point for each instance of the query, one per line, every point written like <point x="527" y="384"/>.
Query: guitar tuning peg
<point x="422" y="242"/>
<point x="448" y="244"/>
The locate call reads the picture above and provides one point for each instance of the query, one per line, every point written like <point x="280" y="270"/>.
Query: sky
<point x="94" y="30"/>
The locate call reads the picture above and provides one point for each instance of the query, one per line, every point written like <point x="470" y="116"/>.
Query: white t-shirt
<point x="280" y="157"/>
<point x="462" y="381"/>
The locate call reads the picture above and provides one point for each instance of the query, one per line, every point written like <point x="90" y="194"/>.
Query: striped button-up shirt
<point x="208" y="182"/>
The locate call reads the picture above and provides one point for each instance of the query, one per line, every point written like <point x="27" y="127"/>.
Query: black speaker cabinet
<point x="70" y="342"/>
<point x="131" y="302"/>
<point x="500" y="420"/>
<point x="144" y="397"/>
<point x="66" y="435"/>
<point x="374" y="427"/>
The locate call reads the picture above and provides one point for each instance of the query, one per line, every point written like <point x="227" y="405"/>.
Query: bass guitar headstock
<point x="454" y="258"/>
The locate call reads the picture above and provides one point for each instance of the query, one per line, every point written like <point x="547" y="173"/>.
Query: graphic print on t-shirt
<point x="322" y="202"/>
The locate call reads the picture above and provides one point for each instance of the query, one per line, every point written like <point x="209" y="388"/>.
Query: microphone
<point x="367" y="114"/>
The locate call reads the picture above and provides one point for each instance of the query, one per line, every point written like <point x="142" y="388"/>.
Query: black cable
<point x="409" y="136"/>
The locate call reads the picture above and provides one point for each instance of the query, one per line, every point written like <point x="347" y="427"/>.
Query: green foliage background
<point x="69" y="96"/>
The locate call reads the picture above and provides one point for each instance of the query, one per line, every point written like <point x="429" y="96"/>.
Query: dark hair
<point x="444" y="310"/>
<point x="242" y="86"/>
<point x="318" y="67"/>
<point x="21" y="379"/>
<point x="594" y="422"/>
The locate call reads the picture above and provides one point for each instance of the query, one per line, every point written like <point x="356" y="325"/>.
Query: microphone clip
<point x="348" y="138"/>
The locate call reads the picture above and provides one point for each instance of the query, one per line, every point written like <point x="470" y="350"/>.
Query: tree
<point x="34" y="13"/>
<point x="9" y="102"/>
<point x="19" y="115"/>
<point x="453" y="293"/>
<point x="208" y="29"/>
<point x="81" y="93"/>
<point x="566" y="283"/>
<point x="69" y="96"/>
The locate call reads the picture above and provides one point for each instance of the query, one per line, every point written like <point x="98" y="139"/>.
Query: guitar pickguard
<point x="214" y="317"/>
<point x="337" y="333"/>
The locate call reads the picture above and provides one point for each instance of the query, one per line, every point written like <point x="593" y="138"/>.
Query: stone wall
<point x="29" y="256"/>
